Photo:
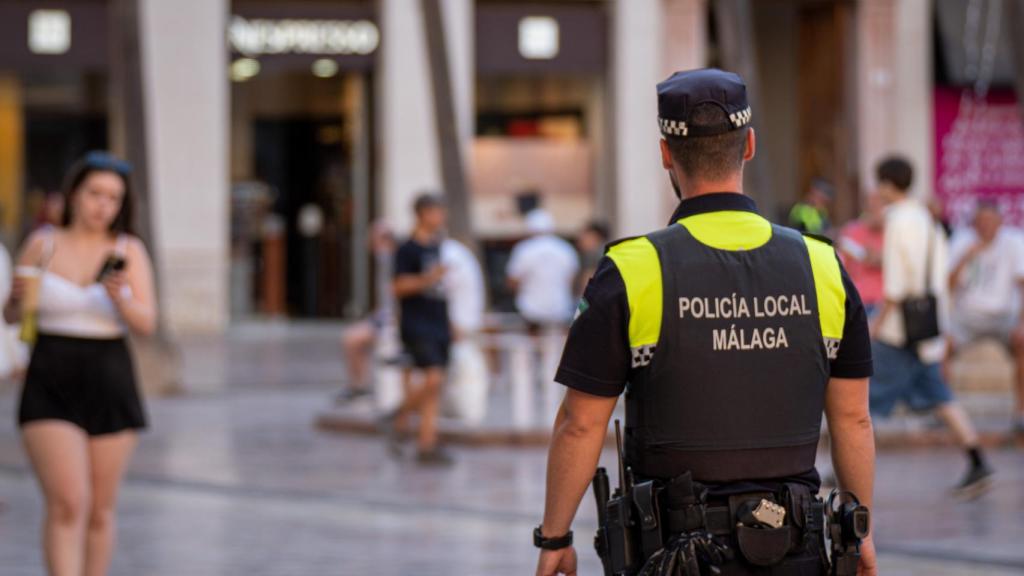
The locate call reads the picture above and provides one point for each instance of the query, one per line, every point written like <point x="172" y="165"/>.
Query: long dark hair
<point x="99" y="161"/>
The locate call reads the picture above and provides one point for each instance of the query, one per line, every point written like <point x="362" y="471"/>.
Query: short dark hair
<point x="427" y="200"/>
<point x="99" y="161"/>
<point x="987" y="205"/>
<point x="598" y="227"/>
<point x="897" y="171"/>
<point x="709" y="157"/>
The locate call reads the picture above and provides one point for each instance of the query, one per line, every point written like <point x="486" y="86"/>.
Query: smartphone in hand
<point x="114" y="263"/>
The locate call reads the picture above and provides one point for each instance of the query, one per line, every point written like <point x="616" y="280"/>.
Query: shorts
<point x="87" y="382"/>
<point x="965" y="329"/>
<point x="900" y="376"/>
<point x="427" y="351"/>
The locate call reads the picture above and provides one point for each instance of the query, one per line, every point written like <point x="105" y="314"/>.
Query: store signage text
<point x="256" y="37"/>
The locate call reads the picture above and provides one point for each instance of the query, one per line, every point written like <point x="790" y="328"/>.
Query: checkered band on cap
<point x="741" y="118"/>
<point x="672" y="127"/>
<point x="642" y="355"/>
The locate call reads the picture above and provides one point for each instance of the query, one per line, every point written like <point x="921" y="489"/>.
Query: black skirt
<point x="88" y="382"/>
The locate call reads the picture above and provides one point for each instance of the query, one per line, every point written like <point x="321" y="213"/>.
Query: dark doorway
<point x="307" y="163"/>
<point x="827" y="101"/>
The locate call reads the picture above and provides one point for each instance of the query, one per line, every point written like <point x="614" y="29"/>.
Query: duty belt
<point x="672" y="528"/>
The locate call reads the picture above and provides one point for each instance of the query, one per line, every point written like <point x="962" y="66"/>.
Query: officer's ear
<point x="751" y="147"/>
<point x="666" y="155"/>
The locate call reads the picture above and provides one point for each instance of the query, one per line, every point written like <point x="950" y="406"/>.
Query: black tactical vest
<point x="734" y="389"/>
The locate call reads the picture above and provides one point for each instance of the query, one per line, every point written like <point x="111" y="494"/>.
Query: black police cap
<point x="682" y="92"/>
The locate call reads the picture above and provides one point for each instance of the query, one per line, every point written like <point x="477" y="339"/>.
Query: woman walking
<point x="83" y="286"/>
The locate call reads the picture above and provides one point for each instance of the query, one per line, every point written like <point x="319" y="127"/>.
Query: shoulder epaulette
<point x="610" y="245"/>
<point x="819" y="238"/>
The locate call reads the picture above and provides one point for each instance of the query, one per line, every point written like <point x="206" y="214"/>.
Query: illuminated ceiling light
<point x="49" y="31"/>
<point x="244" y="69"/>
<point x="325" y="68"/>
<point x="538" y="37"/>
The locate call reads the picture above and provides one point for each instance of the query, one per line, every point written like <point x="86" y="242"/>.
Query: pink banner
<point x="979" y="153"/>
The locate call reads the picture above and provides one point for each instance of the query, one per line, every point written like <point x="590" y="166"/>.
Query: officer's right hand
<point x="555" y="562"/>
<point x="868" y="562"/>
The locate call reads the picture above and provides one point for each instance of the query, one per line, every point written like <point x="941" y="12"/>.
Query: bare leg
<point x="953" y="415"/>
<point x="1018" y="354"/>
<point x="109" y="455"/>
<point x="430" y="402"/>
<point x="59" y="454"/>
<point x="402" y="416"/>
<point x="357" y="345"/>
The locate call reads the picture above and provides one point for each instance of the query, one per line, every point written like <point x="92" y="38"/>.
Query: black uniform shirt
<point x="597" y="358"/>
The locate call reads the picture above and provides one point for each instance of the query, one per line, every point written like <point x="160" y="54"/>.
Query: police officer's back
<point x="729" y="337"/>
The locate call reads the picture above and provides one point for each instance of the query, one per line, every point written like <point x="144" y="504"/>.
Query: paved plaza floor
<point x="233" y="479"/>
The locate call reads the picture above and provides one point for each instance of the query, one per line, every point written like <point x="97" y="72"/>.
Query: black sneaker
<point x="349" y="396"/>
<point x="975" y="483"/>
<point x="1014" y="436"/>
<point x="393" y="437"/>
<point x="436" y="457"/>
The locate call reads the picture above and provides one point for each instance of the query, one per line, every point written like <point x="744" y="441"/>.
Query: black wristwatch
<point x="551" y="543"/>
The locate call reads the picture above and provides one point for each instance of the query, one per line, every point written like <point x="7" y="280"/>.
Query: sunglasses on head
<point x="105" y="161"/>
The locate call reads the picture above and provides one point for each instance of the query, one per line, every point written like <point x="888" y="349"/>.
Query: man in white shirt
<point x="988" y="269"/>
<point x="541" y="270"/>
<point x="466" y="392"/>
<point x="464" y="284"/>
<point x="913" y="266"/>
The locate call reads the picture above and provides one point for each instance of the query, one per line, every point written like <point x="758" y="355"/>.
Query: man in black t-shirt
<point x="425" y="332"/>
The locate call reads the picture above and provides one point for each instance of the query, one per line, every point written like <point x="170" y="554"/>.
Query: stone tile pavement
<point x="233" y="479"/>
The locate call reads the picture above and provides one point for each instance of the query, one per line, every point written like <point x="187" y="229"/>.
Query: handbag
<point x="921" y="313"/>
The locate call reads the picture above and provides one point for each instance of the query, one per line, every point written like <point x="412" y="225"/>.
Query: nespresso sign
<point x="259" y="36"/>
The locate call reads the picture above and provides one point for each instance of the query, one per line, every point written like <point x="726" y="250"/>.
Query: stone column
<point x="186" y="102"/>
<point x="685" y="48"/>
<point x="638" y="52"/>
<point x="409" y="160"/>
<point x="896" y="91"/>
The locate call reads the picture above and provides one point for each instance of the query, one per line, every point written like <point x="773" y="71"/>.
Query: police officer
<point x="729" y="336"/>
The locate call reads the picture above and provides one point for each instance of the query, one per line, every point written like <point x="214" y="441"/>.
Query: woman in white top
<point x="80" y="407"/>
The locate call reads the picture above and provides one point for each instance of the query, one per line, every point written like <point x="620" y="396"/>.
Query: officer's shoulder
<point x="818" y="237"/>
<point x="623" y="243"/>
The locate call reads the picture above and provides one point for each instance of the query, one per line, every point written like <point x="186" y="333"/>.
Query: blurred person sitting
<point x="424" y="327"/>
<point x="91" y="284"/>
<point x="542" y="270"/>
<point x="914" y="265"/>
<point x="811" y="213"/>
<point x="988" y="269"/>
<point x="860" y="246"/>
<point x="359" y="339"/>
<point x="590" y="243"/>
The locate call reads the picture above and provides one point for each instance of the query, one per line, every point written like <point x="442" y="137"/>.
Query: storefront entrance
<point x="300" y="159"/>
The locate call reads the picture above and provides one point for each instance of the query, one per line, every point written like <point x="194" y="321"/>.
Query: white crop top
<point x="69" y="309"/>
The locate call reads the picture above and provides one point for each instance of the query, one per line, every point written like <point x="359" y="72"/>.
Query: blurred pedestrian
<point x="359" y="339"/>
<point x="466" y="392"/>
<point x="425" y="331"/>
<point x="89" y="283"/>
<point x="12" y="351"/>
<point x="541" y="271"/>
<point x="908" y="365"/>
<point x="811" y="214"/>
<point x="988" y="269"/>
<point x="590" y="243"/>
<point x="860" y="246"/>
